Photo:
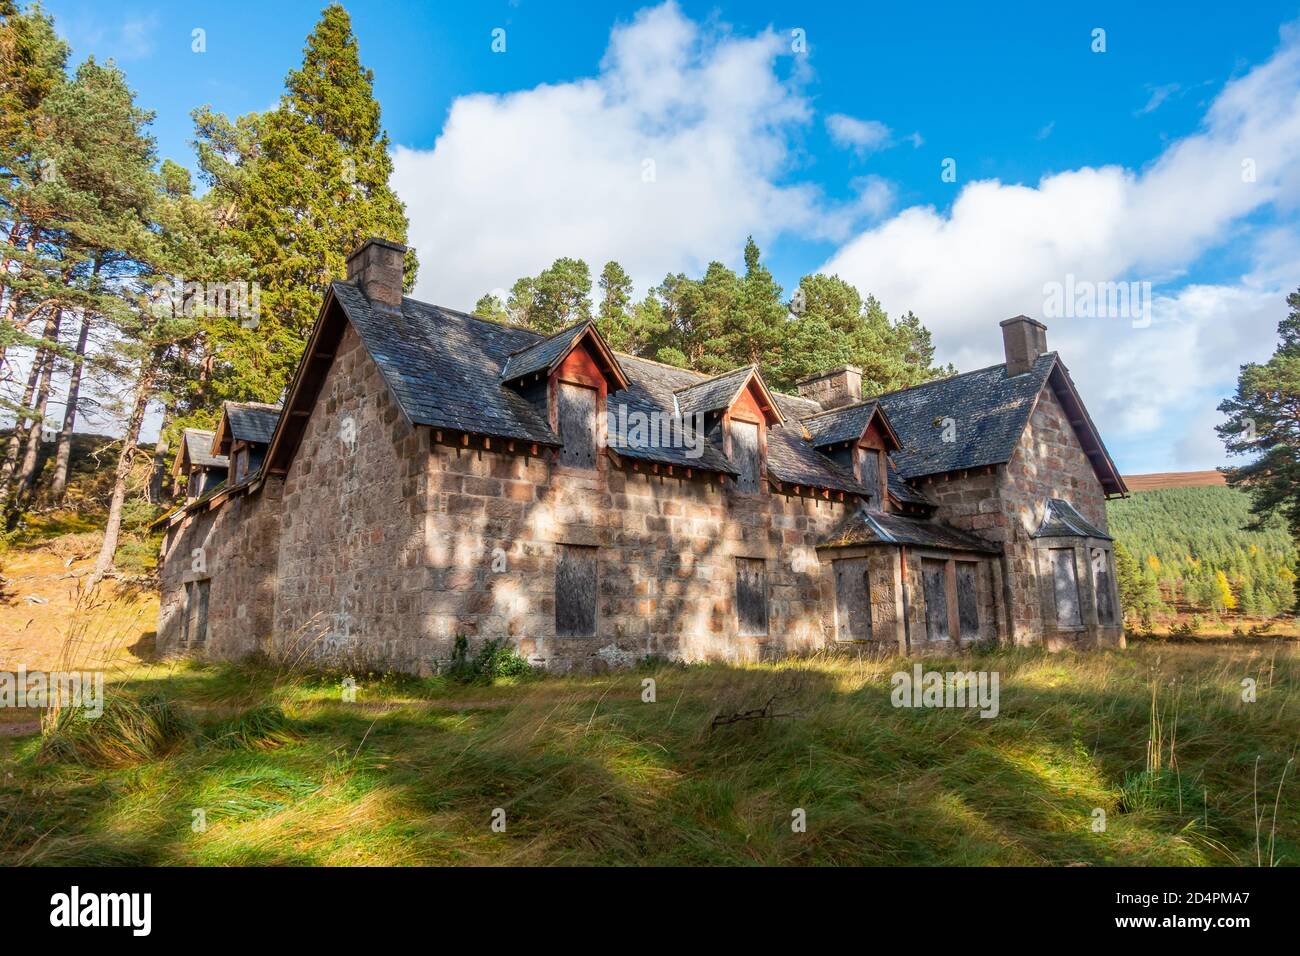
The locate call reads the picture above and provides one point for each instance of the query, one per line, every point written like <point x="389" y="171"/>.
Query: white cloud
<point x="1158" y="94"/>
<point x="862" y="136"/>
<point x="668" y="157"/>
<point x="990" y="255"/>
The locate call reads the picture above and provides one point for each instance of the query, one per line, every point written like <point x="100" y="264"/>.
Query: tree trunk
<point x="159" y="473"/>
<point x="143" y="388"/>
<point x="63" y="457"/>
<point x="32" y="455"/>
<point x="15" y="443"/>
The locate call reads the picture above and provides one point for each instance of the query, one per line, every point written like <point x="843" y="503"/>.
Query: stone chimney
<point x="1023" y="340"/>
<point x="839" y="386"/>
<point x="376" y="266"/>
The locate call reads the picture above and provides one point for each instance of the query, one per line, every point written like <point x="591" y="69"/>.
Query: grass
<point x="264" y="767"/>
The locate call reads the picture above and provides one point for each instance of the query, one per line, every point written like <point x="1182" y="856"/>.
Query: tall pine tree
<point x="305" y="185"/>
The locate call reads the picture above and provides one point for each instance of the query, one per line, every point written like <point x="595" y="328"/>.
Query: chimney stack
<point x="376" y="266"/>
<point x="834" y="388"/>
<point x="1023" y="340"/>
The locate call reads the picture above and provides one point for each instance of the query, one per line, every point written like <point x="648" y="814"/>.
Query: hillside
<point x="1192" y="542"/>
<point x="1175" y="479"/>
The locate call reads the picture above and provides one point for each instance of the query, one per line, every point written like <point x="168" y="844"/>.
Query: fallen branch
<point x="765" y="712"/>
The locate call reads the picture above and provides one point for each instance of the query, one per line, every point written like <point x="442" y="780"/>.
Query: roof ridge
<point x="477" y="318"/>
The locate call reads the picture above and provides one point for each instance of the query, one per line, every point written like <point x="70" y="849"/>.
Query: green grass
<point x="285" y="771"/>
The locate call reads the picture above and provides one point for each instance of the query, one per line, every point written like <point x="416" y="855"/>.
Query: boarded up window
<point x="852" y="600"/>
<point x="934" y="581"/>
<point x="751" y="597"/>
<point x="744" y="454"/>
<point x="968" y="612"/>
<point x="575" y="591"/>
<point x="1065" y="584"/>
<point x="869" y="472"/>
<point x="1101" y="582"/>
<point x="196" y="612"/>
<point x="577" y="414"/>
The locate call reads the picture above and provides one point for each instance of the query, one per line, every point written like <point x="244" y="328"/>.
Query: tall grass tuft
<point x="129" y="731"/>
<point x="259" y="728"/>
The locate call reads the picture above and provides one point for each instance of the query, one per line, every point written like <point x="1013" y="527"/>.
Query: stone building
<point x="435" y="475"/>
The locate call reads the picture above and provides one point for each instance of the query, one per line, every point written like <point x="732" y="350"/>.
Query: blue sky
<point x="1122" y="165"/>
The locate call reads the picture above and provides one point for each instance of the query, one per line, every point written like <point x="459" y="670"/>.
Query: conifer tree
<point x="305" y="184"/>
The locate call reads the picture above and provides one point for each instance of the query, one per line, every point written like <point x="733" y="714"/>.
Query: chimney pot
<point x="1023" y="340"/>
<point x="376" y="267"/>
<point x="833" y="388"/>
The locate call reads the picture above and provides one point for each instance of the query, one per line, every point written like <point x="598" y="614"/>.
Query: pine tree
<point x="558" y="297"/>
<point x="1264" y="422"/>
<point x="311" y="189"/>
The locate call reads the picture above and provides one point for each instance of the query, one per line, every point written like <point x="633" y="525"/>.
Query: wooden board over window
<point x="577" y="417"/>
<point x="575" y="591"/>
<point x="745" y="454"/>
<point x="195" y="629"/>
<point x="751" y="597"/>
<point x="1065" y="585"/>
<point x="852" y="600"/>
<point x="869" y="473"/>
<point x="1102" y="585"/>
<point x="968" y="613"/>
<point x="934" y="582"/>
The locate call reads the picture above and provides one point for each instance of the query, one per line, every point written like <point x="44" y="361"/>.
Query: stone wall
<point x="235" y="548"/>
<point x="666" y="547"/>
<point x="350" y="550"/>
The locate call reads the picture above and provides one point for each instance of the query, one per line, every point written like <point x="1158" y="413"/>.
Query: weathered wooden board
<point x="1065" y="584"/>
<point x="575" y="591"/>
<point x="1101" y="582"/>
<point x="744" y="454"/>
<point x="577" y="416"/>
<point x="968" y="612"/>
<point x="935" y="586"/>
<point x="751" y="596"/>
<point x="852" y="600"/>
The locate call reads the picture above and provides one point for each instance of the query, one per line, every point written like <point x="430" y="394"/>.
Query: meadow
<point x="1148" y="755"/>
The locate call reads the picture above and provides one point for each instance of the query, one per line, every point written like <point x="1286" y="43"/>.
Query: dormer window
<point x="738" y="410"/>
<point x="568" y="378"/>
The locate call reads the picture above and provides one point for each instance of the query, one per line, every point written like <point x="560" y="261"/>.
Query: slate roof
<point x="988" y="407"/>
<point x="840" y="424"/>
<point x="713" y="394"/>
<point x="252" y="421"/>
<point x="1061" y="520"/>
<point x="448" y="369"/>
<point x="871" y="527"/>
<point x="444" y="366"/>
<point x="650" y="390"/>
<point x="198" y="446"/>
<point x="792" y="460"/>
<point x="535" y="358"/>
